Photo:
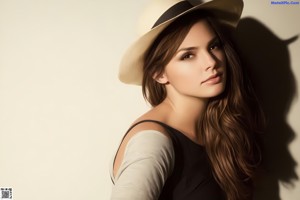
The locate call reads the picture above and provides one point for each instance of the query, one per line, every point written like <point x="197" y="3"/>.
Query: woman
<point x="199" y="139"/>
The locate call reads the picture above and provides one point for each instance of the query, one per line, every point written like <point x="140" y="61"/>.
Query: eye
<point x="216" y="45"/>
<point x="186" y="56"/>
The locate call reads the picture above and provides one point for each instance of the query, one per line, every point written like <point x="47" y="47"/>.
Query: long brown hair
<point x="232" y="120"/>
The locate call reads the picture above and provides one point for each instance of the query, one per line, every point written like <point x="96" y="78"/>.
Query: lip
<point x="213" y="79"/>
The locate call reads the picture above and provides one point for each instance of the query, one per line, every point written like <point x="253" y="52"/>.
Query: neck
<point x="184" y="114"/>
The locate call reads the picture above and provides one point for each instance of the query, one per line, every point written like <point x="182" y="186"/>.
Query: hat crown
<point x="151" y="14"/>
<point x="165" y="9"/>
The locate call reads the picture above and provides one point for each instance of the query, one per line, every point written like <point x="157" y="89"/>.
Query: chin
<point x="213" y="92"/>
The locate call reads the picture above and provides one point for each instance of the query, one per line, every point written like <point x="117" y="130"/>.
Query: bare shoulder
<point x="138" y="128"/>
<point x="155" y="114"/>
<point x="143" y="125"/>
<point x="159" y="113"/>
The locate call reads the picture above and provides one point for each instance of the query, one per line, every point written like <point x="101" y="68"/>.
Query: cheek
<point x="220" y="56"/>
<point x="222" y="61"/>
<point x="181" y="73"/>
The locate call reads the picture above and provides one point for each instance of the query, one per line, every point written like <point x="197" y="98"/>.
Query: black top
<point x="192" y="177"/>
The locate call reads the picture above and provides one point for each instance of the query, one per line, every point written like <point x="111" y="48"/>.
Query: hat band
<point x="173" y="11"/>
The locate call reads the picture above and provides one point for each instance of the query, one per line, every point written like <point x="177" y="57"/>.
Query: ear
<point x="162" y="79"/>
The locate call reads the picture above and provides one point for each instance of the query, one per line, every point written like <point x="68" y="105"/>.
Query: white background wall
<point x="63" y="110"/>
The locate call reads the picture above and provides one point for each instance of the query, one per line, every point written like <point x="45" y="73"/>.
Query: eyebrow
<point x="212" y="41"/>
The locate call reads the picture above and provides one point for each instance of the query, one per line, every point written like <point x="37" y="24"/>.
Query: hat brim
<point x="131" y="66"/>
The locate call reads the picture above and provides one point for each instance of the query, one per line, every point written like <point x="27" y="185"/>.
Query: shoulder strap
<point x="168" y="129"/>
<point x="147" y="120"/>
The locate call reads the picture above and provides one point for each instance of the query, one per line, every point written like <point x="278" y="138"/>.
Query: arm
<point x="148" y="161"/>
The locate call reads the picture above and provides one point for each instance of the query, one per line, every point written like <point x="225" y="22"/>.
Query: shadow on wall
<point x="267" y="61"/>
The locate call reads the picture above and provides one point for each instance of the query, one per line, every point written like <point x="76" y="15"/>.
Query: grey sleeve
<point x="148" y="161"/>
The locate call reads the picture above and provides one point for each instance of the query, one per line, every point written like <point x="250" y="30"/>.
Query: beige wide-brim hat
<point x="157" y="16"/>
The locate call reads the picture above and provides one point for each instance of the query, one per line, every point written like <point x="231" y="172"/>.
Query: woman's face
<point x="198" y="68"/>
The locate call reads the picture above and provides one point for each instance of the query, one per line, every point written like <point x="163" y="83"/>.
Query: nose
<point x="208" y="61"/>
